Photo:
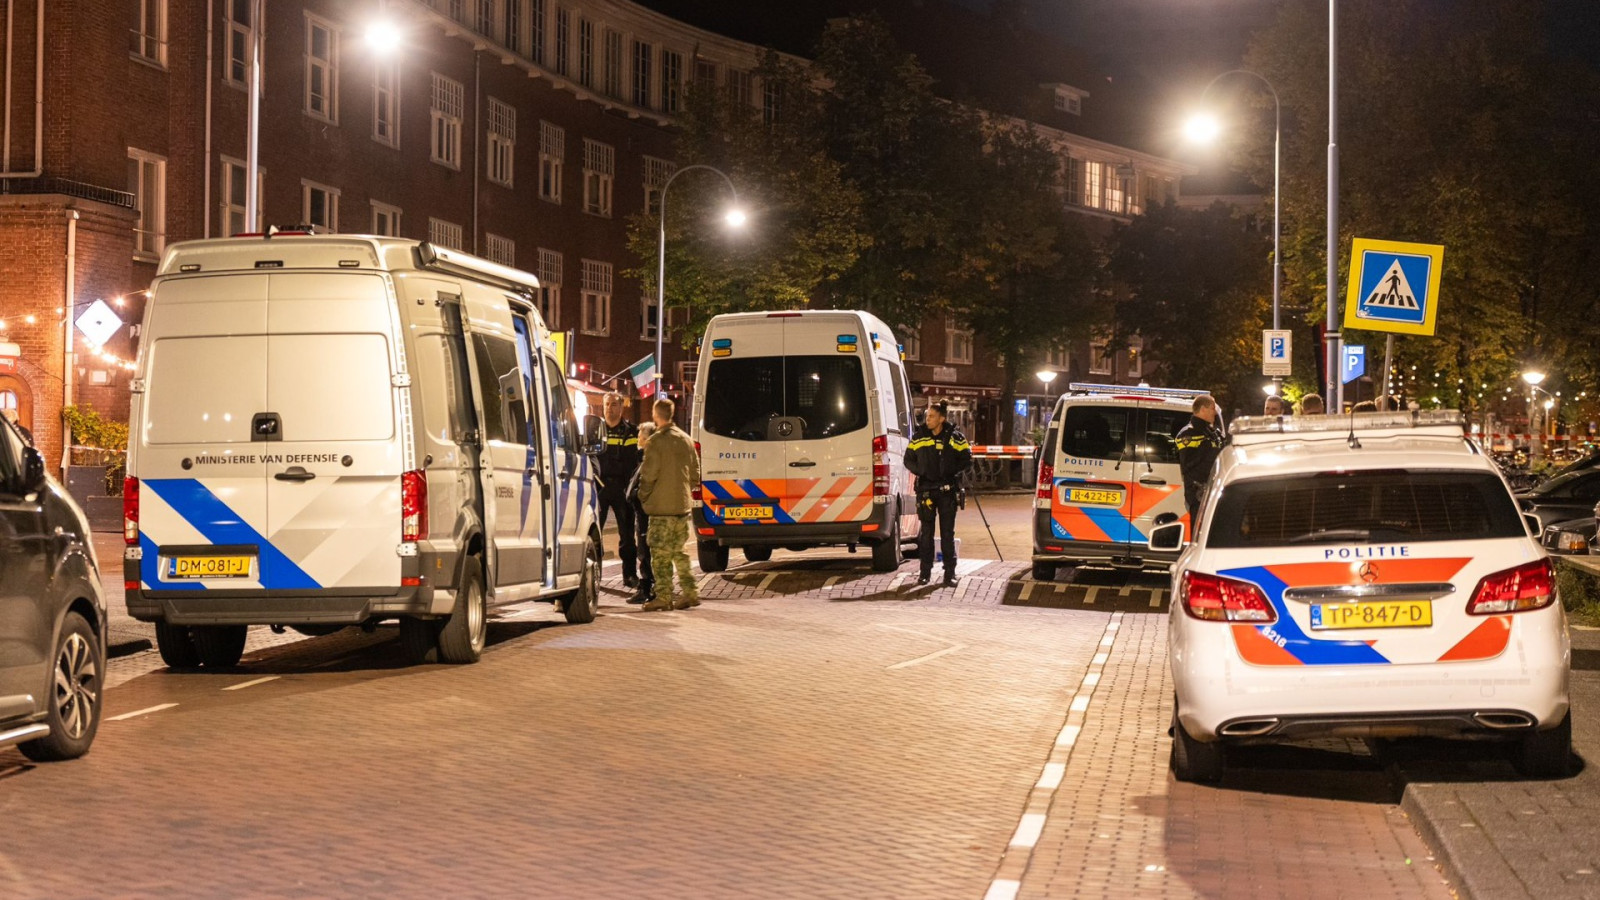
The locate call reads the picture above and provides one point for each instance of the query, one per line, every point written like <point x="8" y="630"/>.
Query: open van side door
<point x="538" y="509"/>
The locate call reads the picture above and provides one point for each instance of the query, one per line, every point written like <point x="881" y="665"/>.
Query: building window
<point x="502" y="250"/>
<point x="705" y="75"/>
<point x="486" y="17"/>
<point x="671" y="81"/>
<point x="386" y="103"/>
<point x="656" y="173"/>
<point x="552" y="155"/>
<point x="536" y="28"/>
<point x="648" y="318"/>
<point x="1116" y="185"/>
<point x="549" y="299"/>
<point x="741" y="87"/>
<point x="322" y="70"/>
<point x="445" y="234"/>
<point x="642" y="64"/>
<point x="771" y="100"/>
<point x="599" y="172"/>
<point x="502" y="141"/>
<point x="385" y="219"/>
<point x="1072" y="176"/>
<point x="458" y="10"/>
<point x="911" y="343"/>
<point x="321" y="206"/>
<point x="1060" y="358"/>
<point x="233" y="204"/>
<point x="563" y="41"/>
<point x="147" y="181"/>
<point x="237" y="69"/>
<point x="1101" y="357"/>
<point x="449" y="98"/>
<point x="613" y="63"/>
<point x="149" y="33"/>
<point x="1136" y="357"/>
<point x="1069" y="103"/>
<point x="957" y="345"/>
<point x="596" y="298"/>
<point x="514" y="25"/>
<point x="586" y="53"/>
<point x="1093" y="184"/>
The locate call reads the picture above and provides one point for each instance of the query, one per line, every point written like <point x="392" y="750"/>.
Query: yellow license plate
<point x="1378" y="614"/>
<point x="209" y="567"/>
<point x="1094" y="497"/>
<point x="747" y="512"/>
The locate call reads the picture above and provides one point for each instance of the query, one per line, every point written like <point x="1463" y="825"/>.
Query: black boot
<point x="630" y="581"/>
<point x="924" y="578"/>
<point x="644" y="595"/>
<point x="950" y="578"/>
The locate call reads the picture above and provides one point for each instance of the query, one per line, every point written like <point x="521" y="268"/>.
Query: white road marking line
<point x="1155" y="598"/>
<point x="951" y="647"/>
<point x="1099" y="659"/>
<point x="828" y="585"/>
<point x="1114" y="624"/>
<point x="1028" y="830"/>
<point x="1123" y="591"/>
<point x="1050" y="778"/>
<point x="1108" y="640"/>
<point x="1091" y="679"/>
<point x="961" y="587"/>
<point x="1090" y="593"/>
<point x="142" y="712"/>
<point x="1080" y="703"/>
<point x="1003" y="889"/>
<point x="922" y="659"/>
<point x="1069" y="735"/>
<point x="894" y="584"/>
<point x="767" y="581"/>
<point x="1027" y="590"/>
<point x="242" y="686"/>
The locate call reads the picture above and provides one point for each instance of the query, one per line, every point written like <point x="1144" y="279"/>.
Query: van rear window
<point x="331" y="387"/>
<point x="828" y="394"/>
<point x="1095" y="432"/>
<point x="204" y="390"/>
<point x="1340" y="507"/>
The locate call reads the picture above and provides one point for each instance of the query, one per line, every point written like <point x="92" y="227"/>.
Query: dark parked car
<point x="52" y="615"/>
<point x="1574" y="536"/>
<point x="1570" y="495"/>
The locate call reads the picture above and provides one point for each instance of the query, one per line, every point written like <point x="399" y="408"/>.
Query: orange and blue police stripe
<point x="765" y="491"/>
<point x="1106" y="524"/>
<point x="1284" y="643"/>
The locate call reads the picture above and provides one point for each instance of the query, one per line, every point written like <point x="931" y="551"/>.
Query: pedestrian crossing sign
<point x="1394" y="286"/>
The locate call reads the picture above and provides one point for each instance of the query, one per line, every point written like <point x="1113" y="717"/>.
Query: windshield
<point x="826" y="393"/>
<point x="1340" y="507"/>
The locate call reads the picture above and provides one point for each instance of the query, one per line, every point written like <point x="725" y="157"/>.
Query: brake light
<point x="1047" y="480"/>
<point x="1218" y="599"/>
<point x="783" y="315"/>
<point x="414" y="505"/>
<point x="130" y="511"/>
<point x="1526" y="587"/>
<point x="880" y="469"/>
<point x="696" y="493"/>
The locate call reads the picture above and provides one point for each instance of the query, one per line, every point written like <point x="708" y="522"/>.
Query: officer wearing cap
<point x="938" y="455"/>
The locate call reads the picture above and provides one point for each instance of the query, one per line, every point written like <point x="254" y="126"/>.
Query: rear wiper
<point x="1122" y="455"/>
<point x="1322" y="534"/>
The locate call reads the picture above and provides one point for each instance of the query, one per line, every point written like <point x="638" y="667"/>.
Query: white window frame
<point x="599" y="177"/>
<point x="446" y="107"/>
<point x="328" y="67"/>
<point x="148" y="37"/>
<point x="644" y="76"/>
<point x="562" y="48"/>
<point x="656" y="173"/>
<point x="647" y="318"/>
<point x="671" y="81"/>
<point x="1060" y="358"/>
<point x="500" y="249"/>
<point x="953" y="334"/>
<point x="236" y="170"/>
<point x="382" y="212"/>
<point x="707" y="74"/>
<point x="331" y="202"/>
<point x="386" y="102"/>
<point x="1101" y="360"/>
<point x="446" y="234"/>
<point x="552" y="160"/>
<point x="911" y="343"/>
<point x="150" y="226"/>
<point x="1136" y="356"/>
<point x="549" y="298"/>
<point x="240" y="35"/>
<point x="611" y="64"/>
<point x="741" y="87"/>
<point x="511" y="23"/>
<point x="595" y="318"/>
<point x="1094" y="172"/>
<point x="538" y="26"/>
<point x="585" y="52"/>
<point x="502" y="155"/>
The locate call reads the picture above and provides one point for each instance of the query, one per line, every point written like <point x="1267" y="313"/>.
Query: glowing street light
<point x="734" y="218"/>
<point x="1533" y="377"/>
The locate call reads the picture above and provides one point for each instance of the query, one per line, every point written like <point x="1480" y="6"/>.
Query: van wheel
<point x="886" y="554"/>
<point x="73" y="710"/>
<point x="220" y="646"/>
<point x="713" y="558"/>
<point x="176" y="644"/>
<point x="1044" y="571"/>
<point x="1547" y="754"/>
<point x="756" y="554"/>
<point x="1194" y="761"/>
<point x="419" y="640"/>
<point x="464" y="634"/>
<point x="582" y="607"/>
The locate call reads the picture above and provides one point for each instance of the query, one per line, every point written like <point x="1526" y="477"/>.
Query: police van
<point x="801" y="420"/>
<point x="1108" y="474"/>
<point x="339" y="430"/>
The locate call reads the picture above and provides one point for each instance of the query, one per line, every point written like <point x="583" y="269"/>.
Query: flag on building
<point x="644" y="375"/>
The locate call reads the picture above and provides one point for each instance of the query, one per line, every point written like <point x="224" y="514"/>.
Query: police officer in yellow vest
<point x="938" y="455"/>
<point x="618" y="461"/>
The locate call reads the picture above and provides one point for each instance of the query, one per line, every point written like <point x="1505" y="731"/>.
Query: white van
<point x="1108" y="474"/>
<point x="802" y="421"/>
<point x="338" y="430"/>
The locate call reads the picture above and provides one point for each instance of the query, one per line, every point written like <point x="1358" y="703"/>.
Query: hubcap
<point x="77" y="686"/>
<point x="476" y="624"/>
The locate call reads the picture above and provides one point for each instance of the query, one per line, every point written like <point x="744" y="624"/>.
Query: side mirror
<point x="1167" y="537"/>
<point x="33" y="477"/>
<point x="594" y="436"/>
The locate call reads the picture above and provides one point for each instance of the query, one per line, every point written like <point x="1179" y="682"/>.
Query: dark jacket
<point x="938" y="459"/>
<point x="1198" y="444"/>
<point x="620" y="459"/>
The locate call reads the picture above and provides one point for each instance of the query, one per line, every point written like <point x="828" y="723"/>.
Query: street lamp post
<point x="1331" y="337"/>
<point x="1277" y="193"/>
<point x="1533" y="378"/>
<point x="734" y="218"/>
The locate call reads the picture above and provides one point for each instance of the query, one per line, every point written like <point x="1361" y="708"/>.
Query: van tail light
<point x="130" y="511"/>
<point x="414" y="506"/>
<point x="880" y="469"/>
<point x="696" y="493"/>
<point x="1218" y="599"/>
<point x="1047" y="485"/>
<point x="1525" y="587"/>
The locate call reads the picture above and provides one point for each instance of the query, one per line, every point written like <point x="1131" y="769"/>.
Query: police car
<point x="1363" y="576"/>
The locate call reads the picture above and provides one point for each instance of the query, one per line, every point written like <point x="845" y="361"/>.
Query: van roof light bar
<point x="1348" y="422"/>
<point x="1141" y="390"/>
<point x="443" y="259"/>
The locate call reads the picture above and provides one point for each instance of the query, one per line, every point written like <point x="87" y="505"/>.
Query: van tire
<point x="1195" y="761"/>
<point x="713" y="558"/>
<point x="584" y="605"/>
<point x="1044" y="571"/>
<point x="176" y="644"/>
<point x="465" y="633"/>
<point x="80" y="660"/>
<point x="220" y="646"/>
<point x="756" y="554"/>
<point x="1547" y="754"/>
<point x="886" y="554"/>
<point x="419" y="640"/>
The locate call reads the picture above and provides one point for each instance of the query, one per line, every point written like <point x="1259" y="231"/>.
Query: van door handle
<point x="1152" y="479"/>
<point x="802" y="464"/>
<point x="296" y="474"/>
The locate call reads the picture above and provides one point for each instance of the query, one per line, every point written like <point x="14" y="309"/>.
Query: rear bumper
<point x="876" y="527"/>
<point x="1049" y="548"/>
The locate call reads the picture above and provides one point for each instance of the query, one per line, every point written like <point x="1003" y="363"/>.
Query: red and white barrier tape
<point x="1002" y="451"/>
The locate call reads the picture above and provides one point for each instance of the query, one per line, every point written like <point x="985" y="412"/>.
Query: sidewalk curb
<point x="1470" y="859"/>
<point x="129" y="647"/>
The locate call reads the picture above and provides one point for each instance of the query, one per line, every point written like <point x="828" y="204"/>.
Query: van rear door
<point x="826" y="361"/>
<point x="1157" y="488"/>
<point x="1094" y="474"/>
<point x="744" y="458"/>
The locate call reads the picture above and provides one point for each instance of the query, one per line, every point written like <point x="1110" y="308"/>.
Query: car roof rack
<point x="1137" y="391"/>
<point x="443" y="259"/>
